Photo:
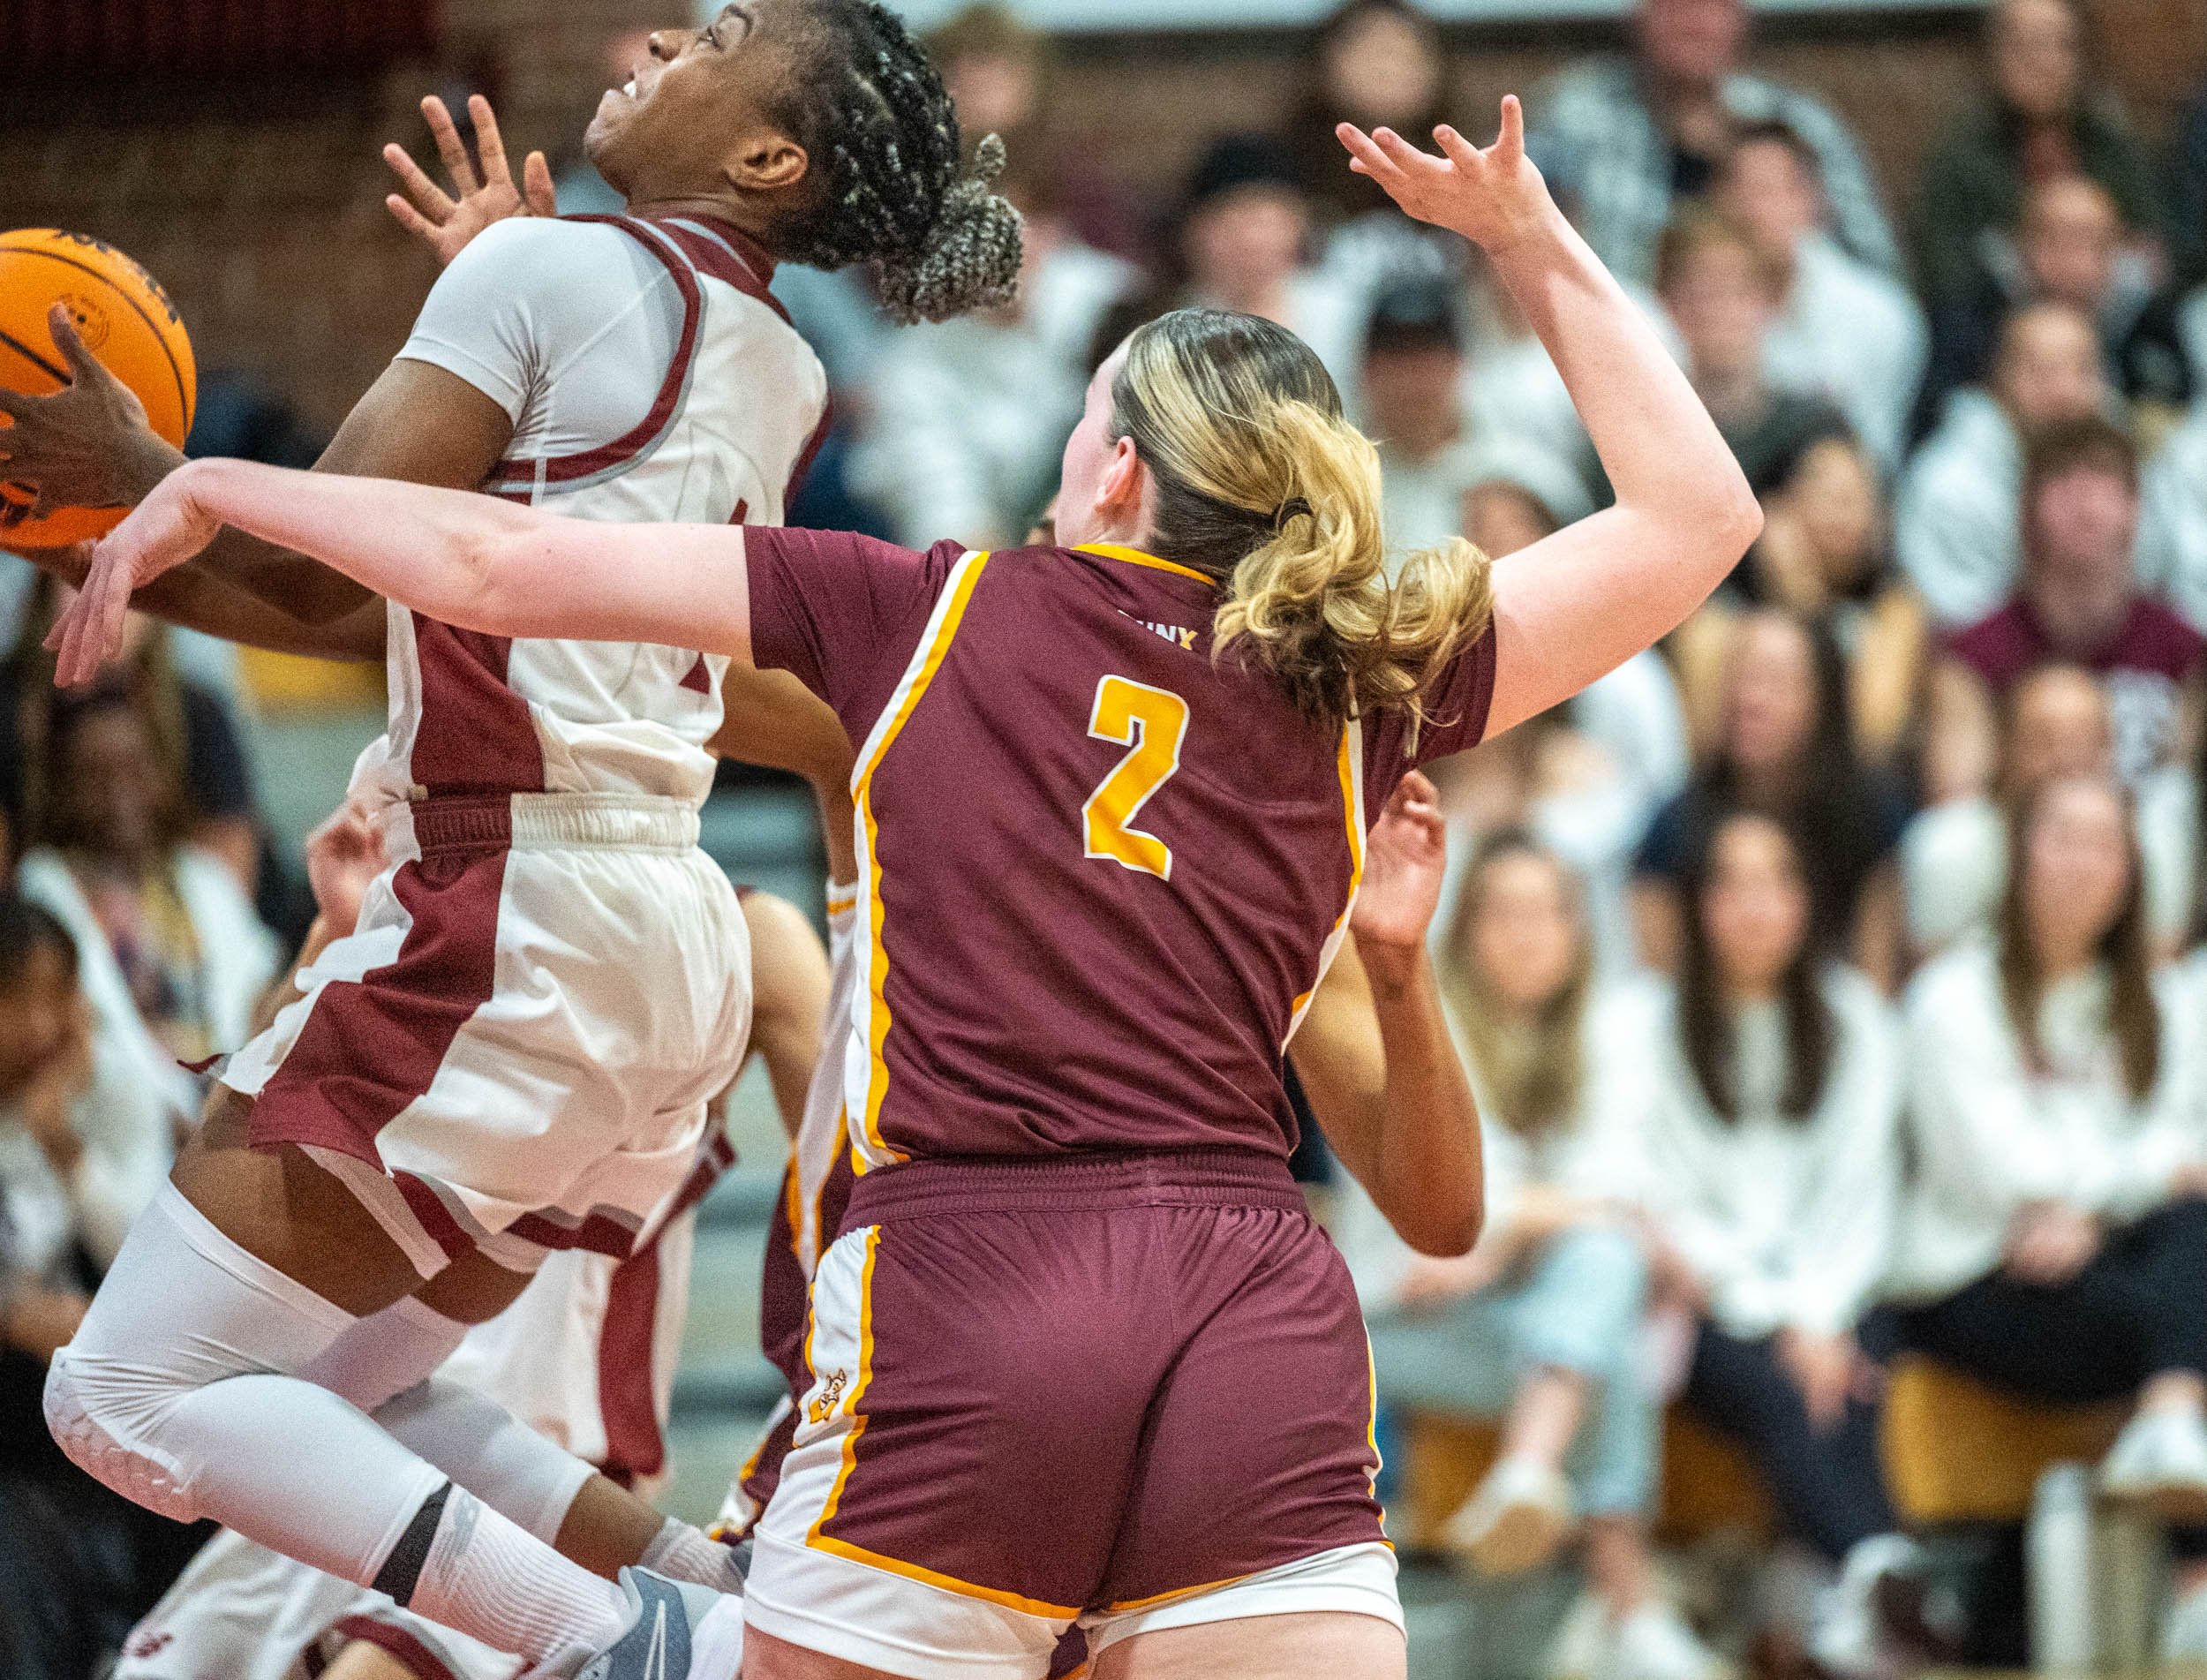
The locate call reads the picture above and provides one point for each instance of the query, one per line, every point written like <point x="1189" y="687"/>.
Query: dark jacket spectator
<point x="2035" y="119"/>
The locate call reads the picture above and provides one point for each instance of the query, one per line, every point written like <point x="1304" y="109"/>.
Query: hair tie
<point x="1288" y="508"/>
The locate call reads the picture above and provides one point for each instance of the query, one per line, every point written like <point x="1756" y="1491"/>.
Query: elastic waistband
<point x="1168" y="1178"/>
<point x="532" y="821"/>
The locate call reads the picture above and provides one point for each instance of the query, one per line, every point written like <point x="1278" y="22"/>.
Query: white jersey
<point x="650" y="376"/>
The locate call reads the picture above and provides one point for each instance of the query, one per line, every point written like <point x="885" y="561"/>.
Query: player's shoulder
<point x="552" y="257"/>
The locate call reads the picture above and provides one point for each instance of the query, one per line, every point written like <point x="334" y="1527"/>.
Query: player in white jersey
<point x="513" y="1050"/>
<point x="584" y="1358"/>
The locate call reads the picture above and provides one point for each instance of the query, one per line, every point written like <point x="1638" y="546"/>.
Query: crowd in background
<point x="1826" y="977"/>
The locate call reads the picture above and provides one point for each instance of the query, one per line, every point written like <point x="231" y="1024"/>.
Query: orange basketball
<point x="127" y="321"/>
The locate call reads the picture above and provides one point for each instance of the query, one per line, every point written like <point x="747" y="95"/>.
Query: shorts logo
<point x="141" y="1645"/>
<point x="831" y="1396"/>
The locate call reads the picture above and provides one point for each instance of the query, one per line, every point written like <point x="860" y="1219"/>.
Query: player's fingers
<point x="490" y="146"/>
<point x="435" y="202"/>
<point x="410" y="218"/>
<point x="1365" y="154"/>
<point x="1511" y="144"/>
<point x="1457" y="150"/>
<point x="537" y="190"/>
<point x="1400" y="152"/>
<point x="82" y="363"/>
<point x="450" y="147"/>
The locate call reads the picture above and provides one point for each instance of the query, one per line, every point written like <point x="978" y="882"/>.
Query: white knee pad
<point x="182" y="1306"/>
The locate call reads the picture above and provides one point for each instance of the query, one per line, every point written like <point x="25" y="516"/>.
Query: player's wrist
<point x="146" y="459"/>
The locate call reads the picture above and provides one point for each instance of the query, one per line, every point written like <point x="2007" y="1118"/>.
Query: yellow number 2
<point x="1151" y="722"/>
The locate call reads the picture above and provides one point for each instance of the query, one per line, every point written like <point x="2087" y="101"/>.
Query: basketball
<point x="127" y="321"/>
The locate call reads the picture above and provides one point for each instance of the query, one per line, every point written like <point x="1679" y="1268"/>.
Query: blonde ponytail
<point x="1262" y="482"/>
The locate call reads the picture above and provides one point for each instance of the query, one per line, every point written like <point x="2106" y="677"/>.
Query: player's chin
<point x="616" y="112"/>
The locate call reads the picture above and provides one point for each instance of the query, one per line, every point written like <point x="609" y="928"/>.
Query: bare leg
<point x="1618" y="1564"/>
<point x="1545" y="1415"/>
<point x="1334" y="1643"/>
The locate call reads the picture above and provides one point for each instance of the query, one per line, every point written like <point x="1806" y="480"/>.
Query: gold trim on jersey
<point x="866" y="1072"/>
<point x="1350" y="768"/>
<point x="1135" y="557"/>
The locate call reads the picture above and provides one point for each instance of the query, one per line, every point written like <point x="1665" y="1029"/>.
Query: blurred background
<point x="1869" y="901"/>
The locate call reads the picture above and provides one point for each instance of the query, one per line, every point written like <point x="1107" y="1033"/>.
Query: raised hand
<point x="446" y="224"/>
<point x="86" y="445"/>
<point x="1492" y="197"/>
<point x="1406" y="859"/>
<point x="161" y="532"/>
<point x="343" y="857"/>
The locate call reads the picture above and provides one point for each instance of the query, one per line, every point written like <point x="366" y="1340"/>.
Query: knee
<point x="1601" y="1268"/>
<point x="102" y="1415"/>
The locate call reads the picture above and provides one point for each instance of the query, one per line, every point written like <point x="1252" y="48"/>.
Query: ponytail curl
<point x="1263" y="483"/>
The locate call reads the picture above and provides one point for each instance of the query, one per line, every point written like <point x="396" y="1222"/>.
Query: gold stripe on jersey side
<point x="927" y="659"/>
<point x="1135" y="557"/>
<point x="1353" y="807"/>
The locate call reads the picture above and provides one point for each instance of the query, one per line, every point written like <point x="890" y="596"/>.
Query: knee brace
<point x="183" y="1306"/>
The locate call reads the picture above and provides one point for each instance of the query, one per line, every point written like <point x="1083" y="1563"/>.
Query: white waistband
<point x="547" y="821"/>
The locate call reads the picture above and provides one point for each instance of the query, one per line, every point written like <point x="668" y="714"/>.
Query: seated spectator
<point x="1511" y="389"/>
<point x="1377" y="63"/>
<point x="1412" y="382"/>
<point x="1767" y="1175"/>
<point x="1953" y="856"/>
<point x="194" y="723"/>
<point x="1721" y="293"/>
<point x="2035" y="118"/>
<point x="1586" y="778"/>
<point x="1244" y="243"/>
<point x="2188" y="188"/>
<point x="1956" y="516"/>
<point x="82" y="1149"/>
<point x="1784" y="747"/>
<point x="1845" y="330"/>
<point x="1540" y="1326"/>
<point x="1627" y="140"/>
<point x="965" y="420"/>
<point x="2053" y="1244"/>
<point x="2080" y="600"/>
<point x="172" y="956"/>
<point x="1823" y="554"/>
<point x="2067" y="249"/>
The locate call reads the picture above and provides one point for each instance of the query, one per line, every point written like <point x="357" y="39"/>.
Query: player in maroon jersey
<point x="1079" y="1355"/>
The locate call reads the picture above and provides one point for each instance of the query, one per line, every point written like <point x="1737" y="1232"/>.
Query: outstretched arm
<point x="1576" y="606"/>
<point x="465" y="560"/>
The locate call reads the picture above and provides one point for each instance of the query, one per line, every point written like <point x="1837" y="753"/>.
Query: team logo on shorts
<point x="831" y="1396"/>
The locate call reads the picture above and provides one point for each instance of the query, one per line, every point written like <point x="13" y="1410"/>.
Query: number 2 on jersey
<point x="1149" y="722"/>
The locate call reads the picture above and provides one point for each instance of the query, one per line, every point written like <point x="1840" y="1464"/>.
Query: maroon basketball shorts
<point x="1129" y="1394"/>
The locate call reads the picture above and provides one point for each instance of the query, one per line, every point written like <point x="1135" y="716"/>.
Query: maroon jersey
<point x="1099" y="875"/>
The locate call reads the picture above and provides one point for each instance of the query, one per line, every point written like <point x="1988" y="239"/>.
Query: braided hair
<point x="893" y="192"/>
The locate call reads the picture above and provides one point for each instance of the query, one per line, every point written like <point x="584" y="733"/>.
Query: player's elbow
<point x="1444" y="1225"/>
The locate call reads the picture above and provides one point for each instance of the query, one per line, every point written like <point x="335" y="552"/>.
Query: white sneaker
<point x="1848" y="1635"/>
<point x="1515" y="1520"/>
<point x="2160" y="1461"/>
<point x="1654" y="1643"/>
<point x="678" y="1632"/>
<point x="2184" y="1635"/>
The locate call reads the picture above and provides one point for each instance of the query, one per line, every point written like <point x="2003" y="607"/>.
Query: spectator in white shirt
<point x="2172" y="519"/>
<point x="1626" y="139"/>
<point x="1768" y="1178"/>
<point x="2055" y="1245"/>
<point x="1957" y="521"/>
<point x="1540" y="1325"/>
<point x="1846" y="330"/>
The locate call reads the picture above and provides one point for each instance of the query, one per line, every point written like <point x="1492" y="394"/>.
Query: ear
<point x="767" y="161"/>
<point x="1118" y="491"/>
